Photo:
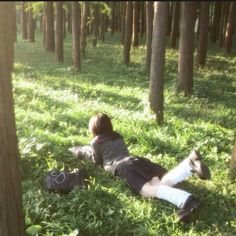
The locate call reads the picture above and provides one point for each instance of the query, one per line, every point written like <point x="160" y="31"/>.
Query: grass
<point x="53" y="105"/>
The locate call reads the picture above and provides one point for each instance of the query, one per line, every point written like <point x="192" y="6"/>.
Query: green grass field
<point x="53" y="105"/>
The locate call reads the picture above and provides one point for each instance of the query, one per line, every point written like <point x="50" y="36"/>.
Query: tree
<point x="185" y="63"/>
<point x="50" y="34"/>
<point x="149" y="27"/>
<point x="113" y="5"/>
<point x="75" y="36"/>
<point x="123" y="22"/>
<point x="24" y="21"/>
<point x="31" y="37"/>
<point x="59" y="32"/>
<point x="135" y="23"/>
<point x="128" y="32"/>
<point x="84" y="28"/>
<point x="233" y="157"/>
<point x="175" y="24"/>
<point x="216" y="22"/>
<point x="156" y="90"/>
<point x="95" y="23"/>
<point x="11" y="214"/>
<point x="230" y="27"/>
<point x="203" y="34"/>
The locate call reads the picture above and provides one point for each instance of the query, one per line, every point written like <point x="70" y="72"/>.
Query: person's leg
<point x="186" y="203"/>
<point x="191" y="164"/>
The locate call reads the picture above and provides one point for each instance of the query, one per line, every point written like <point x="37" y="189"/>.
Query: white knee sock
<point x="176" y="196"/>
<point x="181" y="172"/>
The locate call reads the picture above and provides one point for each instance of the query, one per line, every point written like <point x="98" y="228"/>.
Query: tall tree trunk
<point x="102" y="26"/>
<point x="11" y="214"/>
<point x="75" y="36"/>
<point x="230" y="28"/>
<point x="128" y="32"/>
<point x="64" y="23"/>
<point x="142" y="18"/>
<point x="123" y="22"/>
<point x="149" y="28"/>
<point x="96" y="24"/>
<point x="14" y="24"/>
<point x="223" y="20"/>
<point x="41" y="23"/>
<point x="203" y="34"/>
<point x="156" y="90"/>
<point x="113" y="4"/>
<point x="216" y="22"/>
<point x="170" y="16"/>
<point x="84" y="28"/>
<point x="69" y="20"/>
<point x="24" y="21"/>
<point x="233" y="157"/>
<point x="175" y="24"/>
<point x="31" y="37"/>
<point x="185" y="63"/>
<point x="59" y="32"/>
<point x="50" y="34"/>
<point x="135" y="23"/>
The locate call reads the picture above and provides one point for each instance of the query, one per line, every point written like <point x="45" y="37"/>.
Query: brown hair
<point x="100" y="124"/>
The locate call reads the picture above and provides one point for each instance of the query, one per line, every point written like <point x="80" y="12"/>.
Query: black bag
<point x="64" y="181"/>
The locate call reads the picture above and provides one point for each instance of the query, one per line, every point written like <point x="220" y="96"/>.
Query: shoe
<point x="190" y="208"/>
<point x="195" y="162"/>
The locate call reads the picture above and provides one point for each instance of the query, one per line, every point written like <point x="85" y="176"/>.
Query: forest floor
<point x="53" y="105"/>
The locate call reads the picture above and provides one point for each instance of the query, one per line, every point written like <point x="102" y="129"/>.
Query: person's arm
<point x="96" y="153"/>
<point x="82" y="151"/>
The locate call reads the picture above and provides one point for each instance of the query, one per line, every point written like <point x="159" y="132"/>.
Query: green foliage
<point x="53" y="105"/>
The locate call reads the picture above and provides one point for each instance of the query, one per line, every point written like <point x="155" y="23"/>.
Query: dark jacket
<point x="108" y="150"/>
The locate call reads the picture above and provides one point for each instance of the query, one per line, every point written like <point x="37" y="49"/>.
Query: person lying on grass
<point x="146" y="178"/>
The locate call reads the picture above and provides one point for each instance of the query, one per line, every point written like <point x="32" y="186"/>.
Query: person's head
<point x="100" y="124"/>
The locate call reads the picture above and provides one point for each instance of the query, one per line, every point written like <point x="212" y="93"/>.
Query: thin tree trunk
<point x="113" y="17"/>
<point x="185" y="63"/>
<point x="41" y="23"/>
<point x="142" y="17"/>
<point x="69" y="20"/>
<point x="156" y="91"/>
<point x="84" y="28"/>
<point x="216" y="22"/>
<point x="135" y="23"/>
<point x="59" y="32"/>
<point x="128" y="32"/>
<point x="175" y="24"/>
<point x="31" y="37"/>
<point x="24" y="21"/>
<point x="96" y="24"/>
<point x="123" y="22"/>
<point x="14" y="24"/>
<point x="230" y="28"/>
<point x="203" y="34"/>
<point x="102" y="26"/>
<point x="64" y="23"/>
<point x="149" y="28"/>
<point x="75" y="36"/>
<point x="233" y="157"/>
<point x="50" y="33"/>
<point x="11" y="214"/>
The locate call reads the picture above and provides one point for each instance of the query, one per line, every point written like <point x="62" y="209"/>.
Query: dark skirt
<point x="137" y="171"/>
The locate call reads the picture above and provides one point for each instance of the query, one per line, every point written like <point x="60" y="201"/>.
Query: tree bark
<point x="69" y="20"/>
<point x="113" y="17"/>
<point x="84" y="28"/>
<point x="142" y="18"/>
<point x="123" y="22"/>
<point x="185" y="63"/>
<point x="11" y="213"/>
<point x="149" y="28"/>
<point x="216" y="22"/>
<point x="175" y="24"/>
<point x="14" y="24"/>
<point x="75" y="36"/>
<point x="230" y="28"/>
<point x="135" y="23"/>
<point x="50" y="33"/>
<point x="203" y="34"/>
<point x="24" y="21"/>
<point x="59" y="32"/>
<point x="128" y="32"/>
<point x="31" y="37"/>
<point x="156" y="91"/>
<point x="96" y="24"/>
